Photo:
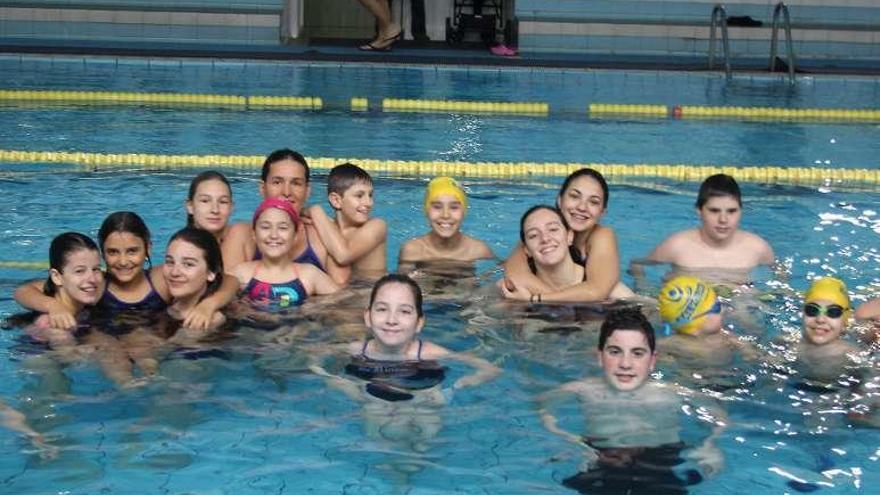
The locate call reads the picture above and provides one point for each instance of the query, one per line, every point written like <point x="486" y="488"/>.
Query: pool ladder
<point x="782" y="9"/>
<point x="719" y="19"/>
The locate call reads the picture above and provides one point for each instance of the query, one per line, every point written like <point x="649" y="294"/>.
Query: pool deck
<point x="410" y="52"/>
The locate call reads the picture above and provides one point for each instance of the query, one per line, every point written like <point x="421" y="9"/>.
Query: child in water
<point x="275" y="281"/>
<point x="130" y="289"/>
<point x="74" y="284"/>
<point x="394" y="320"/>
<point x="445" y="208"/>
<point x="823" y="356"/>
<point x="397" y="374"/>
<point x="356" y="243"/>
<point x="692" y="313"/>
<point x="632" y="442"/>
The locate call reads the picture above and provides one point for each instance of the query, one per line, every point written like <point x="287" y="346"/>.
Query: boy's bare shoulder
<point x="477" y="249"/>
<point x="669" y="249"/>
<point x="413" y="250"/>
<point x="753" y="240"/>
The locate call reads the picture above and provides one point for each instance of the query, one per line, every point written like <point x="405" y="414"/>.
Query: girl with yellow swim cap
<point x="445" y="208"/>
<point x="826" y="311"/>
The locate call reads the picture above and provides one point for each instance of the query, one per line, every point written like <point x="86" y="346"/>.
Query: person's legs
<point x="389" y="31"/>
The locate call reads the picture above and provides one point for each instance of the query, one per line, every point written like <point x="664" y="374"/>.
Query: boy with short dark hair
<point x="352" y="238"/>
<point x="718" y="243"/>
<point x="631" y="438"/>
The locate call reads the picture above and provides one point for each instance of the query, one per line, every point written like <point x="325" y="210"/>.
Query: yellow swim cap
<point x="828" y="289"/>
<point x="685" y="301"/>
<point x="440" y="186"/>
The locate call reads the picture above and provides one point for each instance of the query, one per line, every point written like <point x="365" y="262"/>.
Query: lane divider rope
<point x="131" y="98"/>
<point x="493" y="107"/>
<point x="506" y="170"/>
<point x="25" y="265"/>
<point x="360" y="104"/>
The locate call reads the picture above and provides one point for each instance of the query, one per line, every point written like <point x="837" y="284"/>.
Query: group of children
<point x="129" y="311"/>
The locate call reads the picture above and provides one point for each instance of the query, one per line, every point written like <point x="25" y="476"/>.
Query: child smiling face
<point x="393" y="317"/>
<point x="445" y="213"/>
<point x="627" y="359"/>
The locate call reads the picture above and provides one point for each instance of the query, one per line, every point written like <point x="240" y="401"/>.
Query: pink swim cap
<point x="281" y="204"/>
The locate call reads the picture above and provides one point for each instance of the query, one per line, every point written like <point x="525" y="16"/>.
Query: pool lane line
<point x="25" y="265"/>
<point x="530" y="108"/>
<point x="606" y="109"/>
<point x="505" y="170"/>
<point x="777" y="114"/>
<point x="774" y="114"/>
<point x="162" y="99"/>
<point x="359" y="104"/>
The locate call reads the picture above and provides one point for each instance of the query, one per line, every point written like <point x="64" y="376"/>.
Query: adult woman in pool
<point x="582" y="201"/>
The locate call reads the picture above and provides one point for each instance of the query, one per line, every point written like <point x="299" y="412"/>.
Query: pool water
<point x="253" y="419"/>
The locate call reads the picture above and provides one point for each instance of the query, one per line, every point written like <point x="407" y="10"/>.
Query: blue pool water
<point x="258" y="422"/>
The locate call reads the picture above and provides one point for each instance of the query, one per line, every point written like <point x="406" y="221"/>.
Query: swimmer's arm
<point x="665" y="251"/>
<point x="366" y="238"/>
<point x="339" y="273"/>
<point x="235" y="245"/>
<point x="242" y="273"/>
<point x="204" y="315"/>
<point x="17" y="422"/>
<point x="157" y="278"/>
<point x="766" y="257"/>
<point x="603" y="272"/>
<point x="30" y="295"/>
<point x="484" y="371"/>
<point x="317" y="356"/>
<point x="409" y="253"/>
<point x="319" y="282"/>
<point x="519" y="282"/>
<point x="637" y="270"/>
<point x="869" y="310"/>
<point x="480" y="250"/>
<point x="707" y="455"/>
<point x="550" y="422"/>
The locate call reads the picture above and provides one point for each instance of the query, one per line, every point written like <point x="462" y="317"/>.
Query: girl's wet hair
<point x="125" y="221"/>
<point x="589" y="172"/>
<point x="60" y="249"/>
<point x="194" y="186"/>
<point x="628" y="318"/>
<point x="397" y="278"/>
<point x="207" y="243"/>
<point x="575" y="252"/>
<point x="283" y="154"/>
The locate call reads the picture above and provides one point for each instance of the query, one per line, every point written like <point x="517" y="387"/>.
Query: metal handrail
<point x="719" y="18"/>
<point x="781" y="8"/>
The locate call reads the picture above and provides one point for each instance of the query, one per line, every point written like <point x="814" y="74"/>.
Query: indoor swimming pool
<point x="249" y="417"/>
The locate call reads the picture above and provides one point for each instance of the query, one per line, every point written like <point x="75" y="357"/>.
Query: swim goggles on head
<point x="669" y="327"/>
<point x="832" y="311"/>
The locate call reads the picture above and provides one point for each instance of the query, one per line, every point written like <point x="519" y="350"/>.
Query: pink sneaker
<point x="502" y="50"/>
